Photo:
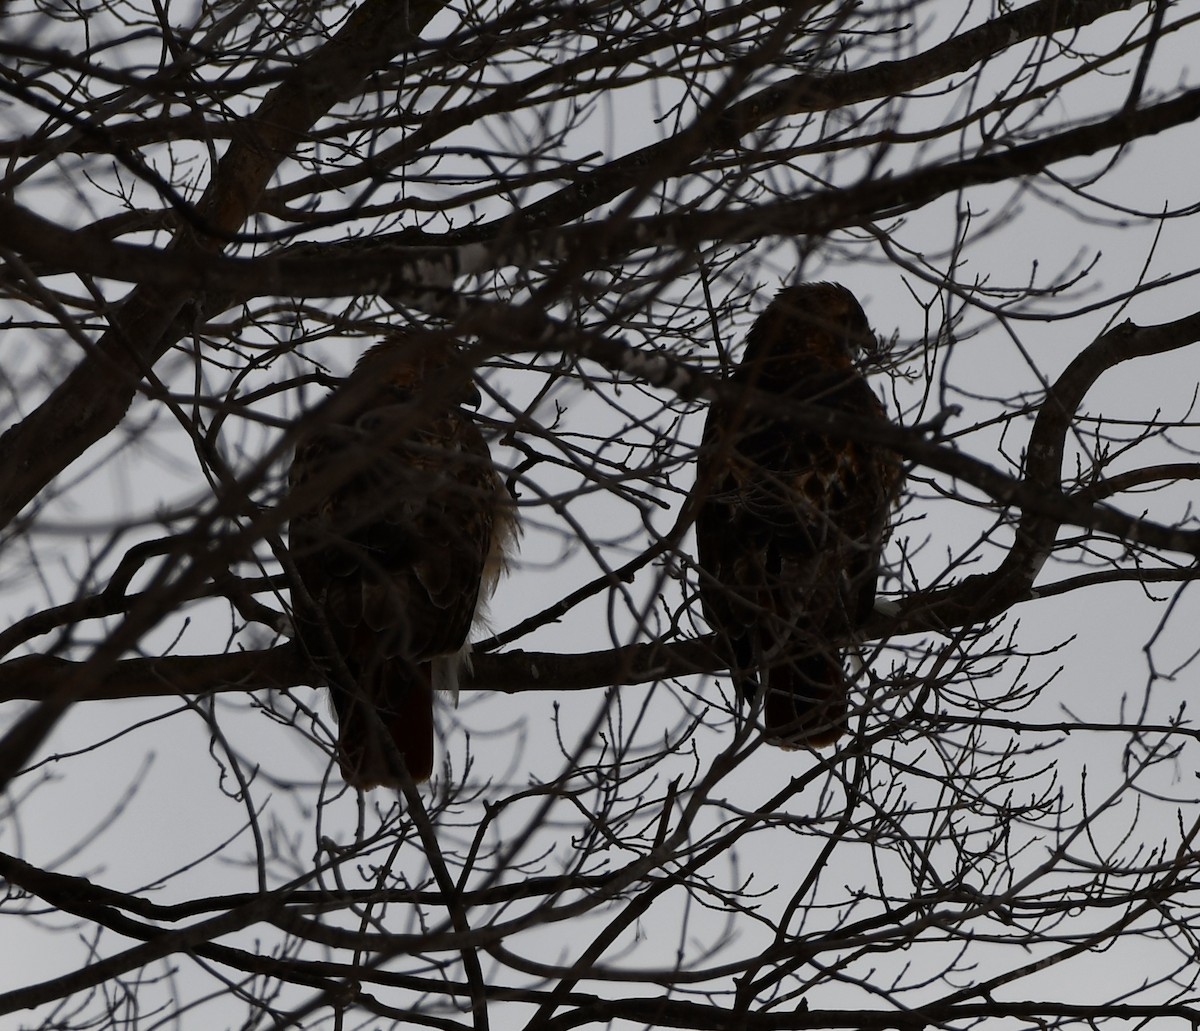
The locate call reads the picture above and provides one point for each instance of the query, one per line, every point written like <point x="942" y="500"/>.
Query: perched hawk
<point x="401" y="529"/>
<point x="791" y="521"/>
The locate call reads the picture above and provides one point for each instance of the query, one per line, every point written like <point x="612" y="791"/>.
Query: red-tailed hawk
<point x="791" y="522"/>
<point x="401" y="530"/>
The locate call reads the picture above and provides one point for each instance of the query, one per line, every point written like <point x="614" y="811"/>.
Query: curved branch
<point x="1038" y="528"/>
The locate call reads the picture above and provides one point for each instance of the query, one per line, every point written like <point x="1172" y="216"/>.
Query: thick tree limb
<point x="398" y="266"/>
<point x="93" y="399"/>
<point x="973" y="600"/>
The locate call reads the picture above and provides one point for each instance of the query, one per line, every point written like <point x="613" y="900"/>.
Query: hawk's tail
<point x="390" y="711"/>
<point x="804" y="701"/>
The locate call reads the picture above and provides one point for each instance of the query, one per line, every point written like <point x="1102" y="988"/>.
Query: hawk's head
<point x="405" y="365"/>
<point x="807" y="329"/>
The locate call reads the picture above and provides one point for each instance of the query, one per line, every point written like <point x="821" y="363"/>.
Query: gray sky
<point x="129" y="793"/>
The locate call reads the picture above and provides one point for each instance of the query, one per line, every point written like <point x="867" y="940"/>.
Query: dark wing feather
<point x="391" y="558"/>
<point x="790" y="530"/>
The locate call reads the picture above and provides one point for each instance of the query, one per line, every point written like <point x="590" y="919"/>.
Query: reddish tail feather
<point x="405" y="711"/>
<point x="805" y="701"/>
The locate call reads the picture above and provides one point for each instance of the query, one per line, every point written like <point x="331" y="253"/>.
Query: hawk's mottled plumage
<point x="401" y="529"/>
<point x="792" y="521"/>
